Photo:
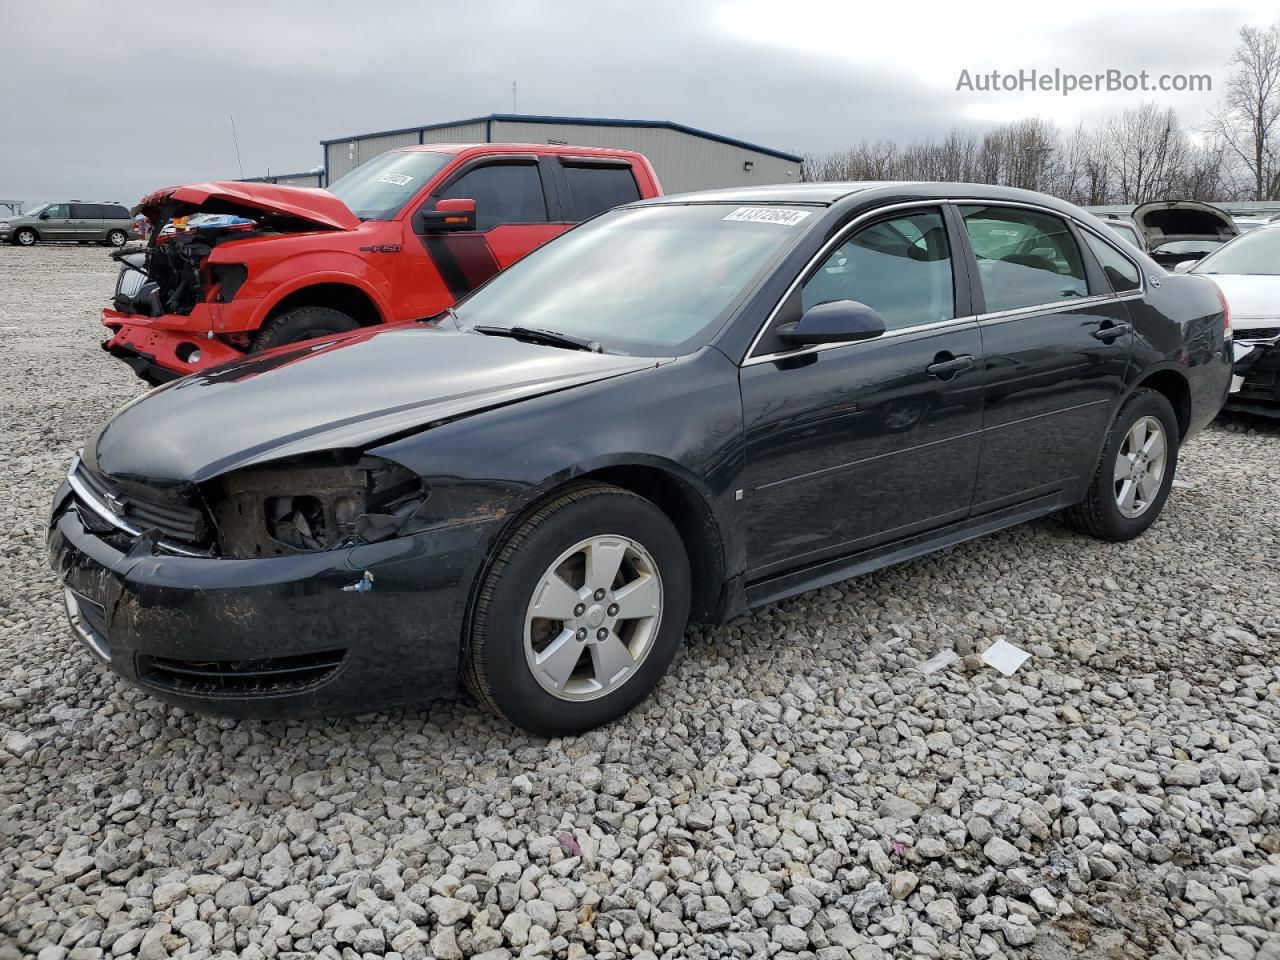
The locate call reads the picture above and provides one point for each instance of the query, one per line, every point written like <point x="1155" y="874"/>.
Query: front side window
<point x="1121" y="273"/>
<point x="57" y="211"/>
<point x="379" y="189"/>
<point x="1025" y="258"/>
<point x="503" y="192"/>
<point x="656" y="281"/>
<point x="595" y="188"/>
<point x="901" y="268"/>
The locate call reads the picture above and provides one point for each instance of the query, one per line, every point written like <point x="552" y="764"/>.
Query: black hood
<point x="343" y="393"/>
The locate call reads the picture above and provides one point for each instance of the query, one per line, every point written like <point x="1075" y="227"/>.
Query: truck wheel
<point x="1135" y="473"/>
<point x="117" y="238"/>
<point x="25" y="237"/>
<point x="302" y="323"/>
<point x="581" y="613"/>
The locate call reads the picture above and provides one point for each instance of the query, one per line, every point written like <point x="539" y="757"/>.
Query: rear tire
<point x="607" y="646"/>
<point x="25" y="237"/>
<point x="302" y="323"/>
<point x="117" y="238"/>
<point x="1130" y="487"/>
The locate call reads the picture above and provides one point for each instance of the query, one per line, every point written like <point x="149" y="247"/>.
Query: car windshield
<point x="379" y="189"/>
<point x="1257" y="252"/>
<point x="653" y="281"/>
<point x="37" y="210"/>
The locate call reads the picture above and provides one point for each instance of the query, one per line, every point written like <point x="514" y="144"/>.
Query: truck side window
<point x="504" y="193"/>
<point x="595" y="188"/>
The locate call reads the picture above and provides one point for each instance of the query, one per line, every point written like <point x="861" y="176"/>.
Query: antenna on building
<point x="514" y="100"/>
<point x="236" y="141"/>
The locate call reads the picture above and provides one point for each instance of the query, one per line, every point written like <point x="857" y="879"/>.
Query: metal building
<point x="684" y="157"/>
<point x="308" y="178"/>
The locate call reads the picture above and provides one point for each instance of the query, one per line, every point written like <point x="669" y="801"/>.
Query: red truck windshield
<point x="379" y="189"/>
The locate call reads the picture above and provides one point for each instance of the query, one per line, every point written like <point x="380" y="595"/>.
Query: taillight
<point x="1226" y="312"/>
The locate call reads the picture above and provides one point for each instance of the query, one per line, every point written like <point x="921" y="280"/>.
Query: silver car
<point x="77" y="220"/>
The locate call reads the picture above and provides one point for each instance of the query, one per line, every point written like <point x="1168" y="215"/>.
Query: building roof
<point x="579" y="121"/>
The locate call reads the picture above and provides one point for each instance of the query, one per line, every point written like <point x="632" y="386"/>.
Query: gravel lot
<point x="797" y="787"/>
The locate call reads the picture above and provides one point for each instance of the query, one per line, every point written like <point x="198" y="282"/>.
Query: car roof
<point x="865" y="192"/>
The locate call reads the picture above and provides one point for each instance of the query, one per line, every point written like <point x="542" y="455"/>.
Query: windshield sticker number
<point x="399" y="179"/>
<point x="787" y="218"/>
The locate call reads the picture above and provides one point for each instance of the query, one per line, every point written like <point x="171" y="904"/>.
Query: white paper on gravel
<point x="938" y="662"/>
<point x="1005" y="657"/>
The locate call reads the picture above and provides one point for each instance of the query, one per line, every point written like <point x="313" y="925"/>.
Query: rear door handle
<point x="1112" y="330"/>
<point x="945" y="369"/>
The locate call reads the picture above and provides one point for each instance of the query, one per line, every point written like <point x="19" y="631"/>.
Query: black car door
<point x="851" y="445"/>
<point x="1056" y="341"/>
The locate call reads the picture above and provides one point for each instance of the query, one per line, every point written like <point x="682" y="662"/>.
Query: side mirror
<point x="448" y="215"/>
<point x="1184" y="266"/>
<point x="44" y="216"/>
<point x="839" y="321"/>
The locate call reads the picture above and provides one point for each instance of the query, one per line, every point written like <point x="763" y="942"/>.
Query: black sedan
<point x="684" y="408"/>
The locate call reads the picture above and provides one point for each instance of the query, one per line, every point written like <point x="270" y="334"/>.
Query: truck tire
<point x="302" y="323"/>
<point x="581" y="612"/>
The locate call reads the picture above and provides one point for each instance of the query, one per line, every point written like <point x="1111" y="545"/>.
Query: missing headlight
<point x="316" y="505"/>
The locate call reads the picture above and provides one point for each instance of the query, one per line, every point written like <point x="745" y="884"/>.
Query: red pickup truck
<point x="399" y="238"/>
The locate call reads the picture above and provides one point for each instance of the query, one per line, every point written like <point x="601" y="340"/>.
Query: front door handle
<point x="945" y="366"/>
<point x="1112" y="330"/>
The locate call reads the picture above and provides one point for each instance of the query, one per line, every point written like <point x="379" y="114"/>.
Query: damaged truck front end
<point x="178" y="306"/>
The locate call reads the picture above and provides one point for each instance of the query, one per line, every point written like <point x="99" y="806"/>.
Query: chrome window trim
<point x="87" y="497"/>
<point x="998" y="316"/>
<point x="825" y="249"/>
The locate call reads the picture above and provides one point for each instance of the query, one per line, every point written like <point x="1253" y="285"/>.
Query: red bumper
<point x="162" y="348"/>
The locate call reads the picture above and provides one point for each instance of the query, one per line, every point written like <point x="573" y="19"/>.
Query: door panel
<point x="859" y="445"/>
<point x="59" y="226"/>
<point x="1051" y="388"/>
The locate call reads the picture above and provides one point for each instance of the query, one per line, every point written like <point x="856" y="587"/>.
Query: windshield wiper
<point x="537" y="335"/>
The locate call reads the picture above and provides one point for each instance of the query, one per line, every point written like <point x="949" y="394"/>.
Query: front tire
<point x="581" y="612"/>
<point x="117" y="238"/>
<point x="302" y="323"/>
<point x="25" y="237"/>
<point x="1135" y="473"/>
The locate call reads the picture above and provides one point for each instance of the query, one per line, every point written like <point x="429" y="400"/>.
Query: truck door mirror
<point x="448" y="215"/>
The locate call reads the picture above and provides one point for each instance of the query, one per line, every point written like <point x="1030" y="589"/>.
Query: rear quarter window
<point x="595" y="188"/>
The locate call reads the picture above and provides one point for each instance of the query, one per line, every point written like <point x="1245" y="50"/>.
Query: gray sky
<point x="111" y="100"/>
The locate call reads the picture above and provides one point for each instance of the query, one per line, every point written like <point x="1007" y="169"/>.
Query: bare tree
<point x="1248" y="118"/>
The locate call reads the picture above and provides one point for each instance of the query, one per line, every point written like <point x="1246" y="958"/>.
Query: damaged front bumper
<point x="332" y="632"/>
<point x="167" y="347"/>
<point x="1255" y="384"/>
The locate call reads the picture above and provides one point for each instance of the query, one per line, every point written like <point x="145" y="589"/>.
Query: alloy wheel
<point x="26" y="238"/>
<point x="1140" y="466"/>
<point x="593" y="618"/>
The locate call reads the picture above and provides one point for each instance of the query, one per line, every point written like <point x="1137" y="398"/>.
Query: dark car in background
<point x="683" y="409"/>
<point x="73" y="220"/>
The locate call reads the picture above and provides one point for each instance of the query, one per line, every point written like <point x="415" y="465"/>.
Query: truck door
<point x="514" y="215"/>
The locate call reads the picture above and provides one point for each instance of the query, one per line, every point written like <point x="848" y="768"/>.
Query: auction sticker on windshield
<point x="399" y="179"/>
<point x="787" y="218"/>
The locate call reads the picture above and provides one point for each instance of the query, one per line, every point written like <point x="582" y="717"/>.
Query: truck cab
<point x="399" y="238"/>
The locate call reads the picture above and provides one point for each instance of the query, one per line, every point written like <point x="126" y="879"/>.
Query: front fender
<point x="272" y="284"/>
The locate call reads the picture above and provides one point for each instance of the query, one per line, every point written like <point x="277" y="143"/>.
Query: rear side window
<point x="113" y="211"/>
<point x="595" y="188"/>
<point x="85" y="211"/>
<point x="1121" y="273"/>
<point x="901" y="268"/>
<point x="503" y="192"/>
<point x="1025" y="258"/>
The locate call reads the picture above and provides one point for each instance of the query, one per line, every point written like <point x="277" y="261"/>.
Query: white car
<point x="1248" y="272"/>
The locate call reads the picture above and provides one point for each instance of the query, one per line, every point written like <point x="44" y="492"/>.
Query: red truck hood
<point x="312" y="205"/>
